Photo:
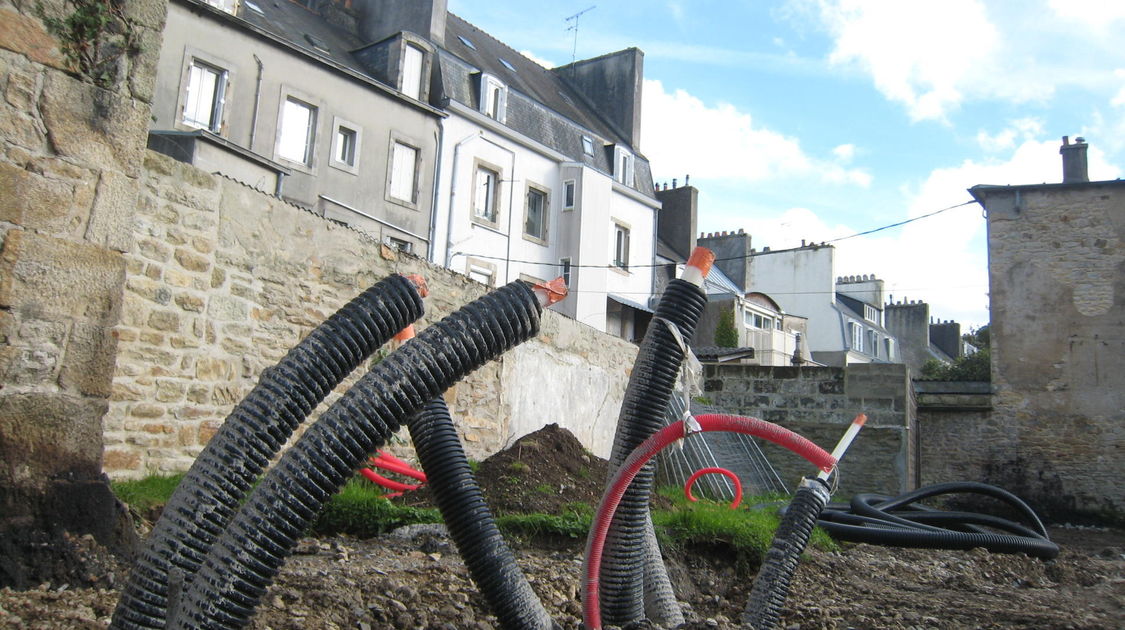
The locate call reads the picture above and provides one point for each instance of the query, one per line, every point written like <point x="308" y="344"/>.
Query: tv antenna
<point x="574" y="27"/>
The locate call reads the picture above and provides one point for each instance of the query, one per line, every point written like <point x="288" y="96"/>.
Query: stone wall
<point x="954" y="430"/>
<point x="70" y="154"/>
<point x="1057" y="277"/>
<point x="222" y="280"/>
<point x="819" y="403"/>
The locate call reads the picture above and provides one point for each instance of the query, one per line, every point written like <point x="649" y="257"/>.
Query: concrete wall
<point x="819" y="403"/>
<point x="70" y="154"/>
<point x="210" y="300"/>
<point x="1057" y="277"/>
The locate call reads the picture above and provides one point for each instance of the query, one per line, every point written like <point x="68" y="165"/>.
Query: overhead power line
<point x="750" y="255"/>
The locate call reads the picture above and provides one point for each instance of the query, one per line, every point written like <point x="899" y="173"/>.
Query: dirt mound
<point x="543" y="472"/>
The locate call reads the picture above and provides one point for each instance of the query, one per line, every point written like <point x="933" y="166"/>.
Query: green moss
<point x="144" y="494"/>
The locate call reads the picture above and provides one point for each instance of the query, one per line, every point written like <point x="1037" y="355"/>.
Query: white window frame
<point x="399" y="244"/>
<point x="856" y="333"/>
<point x="296" y="100"/>
<point x="402" y="173"/>
<point x="485" y="197"/>
<point x="621" y="233"/>
<point x="413" y="62"/>
<point x="481" y="271"/>
<point x="216" y="101"/>
<point x="493" y="97"/>
<point x="570" y="194"/>
<point x="588" y="146"/>
<point x="545" y="209"/>
<point x="340" y="128"/>
<point x="623" y="171"/>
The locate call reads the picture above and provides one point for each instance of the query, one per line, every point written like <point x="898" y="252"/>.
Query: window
<point x="203" y="101"/>
<point x="485" y="198"/>
<point x="345" y="146"/>
<point x="466" y="42"/>
<point x="570" y="190"/>
<point x="493" y="97"/>
<point x="227" y="6"/>
<point x="564" y="267"/>
<point x="871" y="314"/>
<point x="622" y="166"/>
<point x="482" y="272"/>
<point x="890" y="347"/>
<point x="588" y="145"/>
<point x="857" y="336"/>
<point x="412" y="58"/>
<point x="399" y="244"/>
<point x="506" y="64"/>
<point x="535" y="221"/>
<point x="869" y="342"/>
<point x="620" y="246"/>
<point x="298" y="131"/>
<point x="404" y="168"/>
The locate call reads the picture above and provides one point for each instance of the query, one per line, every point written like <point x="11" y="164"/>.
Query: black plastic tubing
<point x="458" y="496"/>
<point x="246" y="557"/>
<point x="771" y="586"/>
<point x="252" y="434"/>
<point x="880" y="520"/>
<point x="642" y="414"/>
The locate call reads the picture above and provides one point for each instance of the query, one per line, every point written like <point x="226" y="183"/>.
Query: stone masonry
<point x="222" y="280"/>
<point x="819" y="403"/>
<point x="70" y="168"/>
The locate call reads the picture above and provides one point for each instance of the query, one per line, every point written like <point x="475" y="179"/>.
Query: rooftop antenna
<point x="574" y="27"/>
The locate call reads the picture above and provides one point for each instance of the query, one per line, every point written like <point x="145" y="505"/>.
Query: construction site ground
<point x="414" y="579"/>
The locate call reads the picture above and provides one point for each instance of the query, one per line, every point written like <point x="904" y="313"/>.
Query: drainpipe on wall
<point x="452" y="195"/>
<point x="440" y="135"/>
<point x="254" y="115"/>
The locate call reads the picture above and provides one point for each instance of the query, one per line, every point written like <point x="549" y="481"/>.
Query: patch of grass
<point x="145" y="494"/>
<point x="359" y="509"/>
<point x="569" y="524"/>
<point x="545" y="488"/>
<point x="517" y="466"/>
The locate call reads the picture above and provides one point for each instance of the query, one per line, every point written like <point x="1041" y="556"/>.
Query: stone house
<point x="1056" y="268"/>
<point x="920" y="337"/>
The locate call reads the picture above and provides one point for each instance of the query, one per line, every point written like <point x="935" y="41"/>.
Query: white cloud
<point x="1017" y="130"/>
<point x="844" y="152"/>
<point x="539" y="60"/>
<point x="684" y="135"/>
<point x="1092" y="14"/>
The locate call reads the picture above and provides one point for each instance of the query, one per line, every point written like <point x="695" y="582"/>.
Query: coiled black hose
<point x="898" y="522"/>
<point x="455" y="491"/>
<point x="647" y="395"/>
<point x="771" y="586"/>
<point x="255" y="430"/>
<point x="246" y="557"/>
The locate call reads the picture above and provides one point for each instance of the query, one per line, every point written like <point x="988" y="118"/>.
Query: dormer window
<point x="622" y="166"/>
<point x="493" y="97"/>
<point x="412" y="65"/>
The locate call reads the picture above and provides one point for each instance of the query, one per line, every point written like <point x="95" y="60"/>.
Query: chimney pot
<point x="673" y="183"/>
<point x="687" y="178"/>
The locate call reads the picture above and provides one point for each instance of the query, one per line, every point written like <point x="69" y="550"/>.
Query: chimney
<point x="613" y="84"/>
<point x="1074" y="161"/>
<point x="382" y="18"/>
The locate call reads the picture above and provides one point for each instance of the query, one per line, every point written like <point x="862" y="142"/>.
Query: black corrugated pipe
<point x="255" y="430"/>
<point x="771" y="586"/>
<point x="624" y="576"/>
<point x="881" y="520"/>
<point x="246" y="557"/>
<point x="489" y="559"/>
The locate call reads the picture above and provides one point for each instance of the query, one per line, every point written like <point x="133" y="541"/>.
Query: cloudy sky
<point x="818" y="119"/>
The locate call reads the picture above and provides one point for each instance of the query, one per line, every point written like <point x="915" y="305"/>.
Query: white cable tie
<point x="691" y="425"/>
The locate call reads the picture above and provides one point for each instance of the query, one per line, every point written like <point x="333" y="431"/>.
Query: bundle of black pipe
<point x="471" y="525"/>
<point x="255" y="430"/>
<point x="246" y="557"/>
<point x="632" y="571"/>
<point x="771" y="586"/>
<point x="901" y="522"/>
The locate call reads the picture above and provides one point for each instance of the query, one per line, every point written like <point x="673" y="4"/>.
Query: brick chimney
<point x="1074" y="160"/>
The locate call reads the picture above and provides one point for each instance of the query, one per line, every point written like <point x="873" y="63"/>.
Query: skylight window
<point x="317" y="43"/>
<point x="588" y="145"/>
<point x="253" y="7"/>
<point x="466" y="42"/>
<point x="506" y="64"/>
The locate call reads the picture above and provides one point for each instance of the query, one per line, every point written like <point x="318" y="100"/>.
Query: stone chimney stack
<point x="380" y="19"/>
<point x="1074" y="161"/>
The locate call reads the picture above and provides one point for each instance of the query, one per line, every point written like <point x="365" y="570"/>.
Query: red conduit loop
<point x="591" y="608"/>
<point x="402" y="469"/>
<point x="389" y="484"/>
<point x="713" y="470"/>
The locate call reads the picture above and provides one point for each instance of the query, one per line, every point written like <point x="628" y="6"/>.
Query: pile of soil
<point x="545" y="472"/>
<point x="413" y="578"/>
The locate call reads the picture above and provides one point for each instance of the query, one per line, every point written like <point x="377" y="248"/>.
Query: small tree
<point x="726" y="336"/>
<point x="974" y="367"/>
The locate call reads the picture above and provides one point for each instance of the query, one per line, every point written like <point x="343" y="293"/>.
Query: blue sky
<point x="817" y="119"/>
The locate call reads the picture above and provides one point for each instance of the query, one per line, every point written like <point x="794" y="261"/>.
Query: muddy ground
<point x="415" y="579"/>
